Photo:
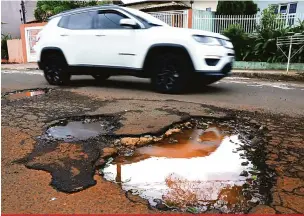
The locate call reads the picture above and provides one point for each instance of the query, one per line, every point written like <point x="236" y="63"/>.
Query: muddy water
<point x="200" y="169"/>
<point x="78" y="130"/>
<point x="24" y="94"/>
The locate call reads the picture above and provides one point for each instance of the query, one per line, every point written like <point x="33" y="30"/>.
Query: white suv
<point x="111" y="40"/>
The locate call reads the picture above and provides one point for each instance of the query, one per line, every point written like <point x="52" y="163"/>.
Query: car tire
<point x="101" y="77"/>
<point x="171" y="73"/>
<point x="55" y="70"/>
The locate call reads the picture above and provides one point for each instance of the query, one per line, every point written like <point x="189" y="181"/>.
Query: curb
<point x="271" y="76"/>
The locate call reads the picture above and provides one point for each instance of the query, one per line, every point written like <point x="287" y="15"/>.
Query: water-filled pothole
<point x="195" y="170"/>
<point x="81" y="128"/>
<point x="25" y="94"/>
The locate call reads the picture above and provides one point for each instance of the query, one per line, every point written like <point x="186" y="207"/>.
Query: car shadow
<point x="139" y="84"/>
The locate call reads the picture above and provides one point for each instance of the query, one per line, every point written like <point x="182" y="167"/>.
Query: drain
<point x="17" y="95"/>
<point x="197" y="170"/>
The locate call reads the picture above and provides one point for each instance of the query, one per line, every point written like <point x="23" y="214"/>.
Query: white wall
<point x="203" y="4"/>
<point x="264" y="4"/>
<point x="10" y="14"/>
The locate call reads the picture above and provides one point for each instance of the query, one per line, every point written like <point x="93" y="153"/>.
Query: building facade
<point x="11" y="16"/>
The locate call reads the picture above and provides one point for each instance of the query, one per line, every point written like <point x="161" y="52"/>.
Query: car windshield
<point x="144" y="17"/>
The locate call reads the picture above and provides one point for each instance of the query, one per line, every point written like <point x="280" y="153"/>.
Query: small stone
<point x="129" y="141"/>
<point x="117" y="142"/>
<point x="145" y="140"/>
<point x="262" y="209"/>
<point x="255" y="141"/>
<point x="188" y="124"/>
<point x="244" y="173"/>
<point x="172" y="131"/>
<point x="262" y="128"/>
<point x="245" y="163"/>
<point x="100" y="162"/>
<point x="108" y="152"/>
<point x="284" y="210"/>
<point x="253" y="122"/>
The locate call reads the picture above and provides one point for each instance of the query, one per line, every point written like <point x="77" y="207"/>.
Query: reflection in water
<point x="24" y="94"/>
<point x="199" y="170"/>
<point x="78" y="130"/>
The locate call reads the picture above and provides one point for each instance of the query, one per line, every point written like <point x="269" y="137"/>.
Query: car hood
<point x="186" y="31"/>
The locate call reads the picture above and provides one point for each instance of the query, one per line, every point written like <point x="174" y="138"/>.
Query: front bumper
<point x="213" y="59"/>
<point x="225" y="71"/>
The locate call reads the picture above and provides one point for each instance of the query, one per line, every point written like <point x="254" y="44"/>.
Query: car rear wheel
<point x="55" y="70"/>
<point x="171" y="73"/>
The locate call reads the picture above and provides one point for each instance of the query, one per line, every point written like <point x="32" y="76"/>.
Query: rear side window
<point x="77" y="21"/>
<point x="109" y="20"/>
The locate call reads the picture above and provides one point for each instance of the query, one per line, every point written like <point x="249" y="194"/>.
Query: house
<point x="11" y="16"/>
<point x="156" y="6"/>
<point x="291" y="11"/>
<point x="287" y="7"/>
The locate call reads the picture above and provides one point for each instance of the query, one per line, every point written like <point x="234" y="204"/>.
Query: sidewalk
<point x="264" y="74"/>
<point x="270" y="74"/>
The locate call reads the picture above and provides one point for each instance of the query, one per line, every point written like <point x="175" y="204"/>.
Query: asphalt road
<point x="34" y="166"/>
<point x="232" y="92"/>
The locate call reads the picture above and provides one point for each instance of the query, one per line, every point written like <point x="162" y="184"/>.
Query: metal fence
<point x="173" y="18"/>
<point x="219" y="23"/>
<point x="208" y="21"/>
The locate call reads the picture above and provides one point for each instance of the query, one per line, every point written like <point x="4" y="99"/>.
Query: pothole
<point x="198" y="166"/>
<point x="210" y="167"/>
<point x="16" y="95"/>
<point x="81" y="128"/>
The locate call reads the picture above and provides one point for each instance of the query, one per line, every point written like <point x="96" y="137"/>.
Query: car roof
<point x="85" y="9"/>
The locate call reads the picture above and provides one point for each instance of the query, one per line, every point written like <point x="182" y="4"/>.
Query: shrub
<point x="4" y="50"/>
<point x="239" y="39"/>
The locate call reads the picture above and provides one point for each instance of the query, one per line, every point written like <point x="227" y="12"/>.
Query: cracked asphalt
<point x="277" y="106"/>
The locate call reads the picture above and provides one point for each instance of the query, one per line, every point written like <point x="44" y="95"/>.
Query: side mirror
<point x="128" y="23"/>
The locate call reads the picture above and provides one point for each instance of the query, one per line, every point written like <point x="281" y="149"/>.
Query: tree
<point x="236" y="8"/>
<point x="45" y="9"/>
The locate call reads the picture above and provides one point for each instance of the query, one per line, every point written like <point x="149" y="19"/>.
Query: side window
<point x="109" y="20"/>
<point x="80" y="21"/>
<point x="63" y="23"/>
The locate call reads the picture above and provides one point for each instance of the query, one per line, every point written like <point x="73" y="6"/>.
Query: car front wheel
<point x="171" y="73"/>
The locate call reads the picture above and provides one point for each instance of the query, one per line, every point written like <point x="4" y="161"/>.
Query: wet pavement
<point x="70" y="172"/>
<point x="193" y="169"/>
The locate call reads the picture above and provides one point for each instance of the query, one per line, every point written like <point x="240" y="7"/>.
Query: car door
<point x="115" y="44"/>
<point x="77" y="38"/>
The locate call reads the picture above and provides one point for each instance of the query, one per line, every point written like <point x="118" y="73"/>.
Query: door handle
<point x="64" y="35"/>
<point x="100" y="35"/>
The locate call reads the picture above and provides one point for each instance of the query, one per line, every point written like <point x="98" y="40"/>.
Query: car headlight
<point x="207" y="40"/>
<point x="227" y="44"/>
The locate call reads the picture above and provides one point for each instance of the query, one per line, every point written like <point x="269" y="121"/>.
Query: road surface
<point x="233" y="92"/>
